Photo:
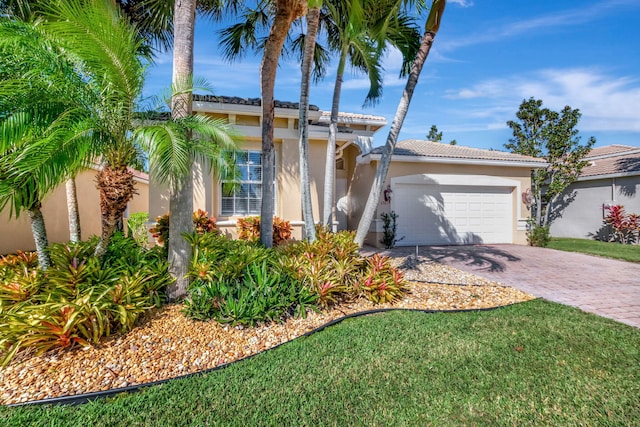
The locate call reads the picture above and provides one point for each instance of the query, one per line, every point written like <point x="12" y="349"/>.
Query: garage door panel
<point x="432" y="214"/>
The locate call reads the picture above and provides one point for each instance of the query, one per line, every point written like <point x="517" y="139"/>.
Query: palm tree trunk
<point x="116" y="187"/>
<point x="330" y="163"/>
<point x="433" y="22"/>
<point x="313" y="21"/>
<point x="286" y="12"/>
<point x="72" y="209"/>
<point x="39" y="232"/>
<point x="181" y="199"/>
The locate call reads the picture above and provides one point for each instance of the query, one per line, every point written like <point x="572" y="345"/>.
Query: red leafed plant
<point x="201" y="221"/>
<point x="625" y="227"/>
<point x="249" y="229"/>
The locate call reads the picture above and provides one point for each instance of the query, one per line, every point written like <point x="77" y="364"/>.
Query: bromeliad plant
<point x="239" y="282"/>
<point x="382" y="283"/>
<point x="80" y="299"/>
<point x="333" y="269"/>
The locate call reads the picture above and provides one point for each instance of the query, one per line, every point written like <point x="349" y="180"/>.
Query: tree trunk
<point x="72" y="209"/>
<point x="39" y="232"/>
<point x="116" y="187"/>
<point x="330" y="163"/>
<point x="286" y="12"/>
<point x="313" y="21"/>
<point x="181" y="199"/>
<point x="392" y="138"/>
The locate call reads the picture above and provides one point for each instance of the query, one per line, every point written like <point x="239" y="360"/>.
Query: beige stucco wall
<point x="15" y="234"/>
<point x="363" y="174"/>
<point x="288" y="195"/>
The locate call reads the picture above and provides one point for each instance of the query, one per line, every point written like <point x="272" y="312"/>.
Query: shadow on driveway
<point x="480" y="257"/>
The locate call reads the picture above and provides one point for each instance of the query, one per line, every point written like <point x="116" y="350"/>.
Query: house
<point x="15" y="234"/>
<point x="447" y="194"/>
<point x="354" y="130"/>
<point x="612" y="177"/>
<point x="443" y="194"/>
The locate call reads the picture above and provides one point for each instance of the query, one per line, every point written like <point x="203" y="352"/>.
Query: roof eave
<point x="451" y="160"/>
<point x="608" y="175"/>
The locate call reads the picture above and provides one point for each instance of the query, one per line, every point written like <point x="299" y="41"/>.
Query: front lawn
<point x="535" y="363"/>
<point x="594" y="247"/>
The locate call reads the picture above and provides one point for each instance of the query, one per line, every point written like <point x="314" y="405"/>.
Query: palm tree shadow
<point x="480" y="257"/>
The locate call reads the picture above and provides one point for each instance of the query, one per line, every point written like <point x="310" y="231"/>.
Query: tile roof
<point x="610" y="149"/>
<point x="612" y="160"/>
<point x="421" y="148"/>
<point x="326" y="115"/>
<point x="248" y="101"/>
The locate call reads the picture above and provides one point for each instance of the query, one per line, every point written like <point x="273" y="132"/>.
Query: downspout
<point x="613" y="189"/>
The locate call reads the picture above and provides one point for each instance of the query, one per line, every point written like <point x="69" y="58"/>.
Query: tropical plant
<point x="382" y="282"/>
<point x="137" y="229"/>
<point x="43" y="118"/>
<point x="541" y="132"/>
<point x="431" y="29"/>
<point x="249" y="229"/>
<point x="102" y="48"/>
<point x="174" y="146"/>
<point x="80" y="299"/>
<point x="625" y="227"/>
<point x="202" y="223"/>
<point x="360" y="31"/>
<point x="263" y="293"/>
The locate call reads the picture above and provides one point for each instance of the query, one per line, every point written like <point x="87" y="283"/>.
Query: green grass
<point x="536" y="363"/>
<point x="594" y="247"/>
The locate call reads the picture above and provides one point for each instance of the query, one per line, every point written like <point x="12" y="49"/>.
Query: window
<point x="243" y="196"/>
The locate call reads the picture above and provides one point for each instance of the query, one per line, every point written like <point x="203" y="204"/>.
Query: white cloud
<point x="560" y="19"/>
<point x="607" y="102"/>
<point x="462" y="3"/>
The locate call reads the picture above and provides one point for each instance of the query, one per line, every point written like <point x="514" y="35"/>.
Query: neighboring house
<point x="443" y="194"/>
<point x="612" y="177"/>
<point x="15" y="234"/>
<point x="447" y="194"/>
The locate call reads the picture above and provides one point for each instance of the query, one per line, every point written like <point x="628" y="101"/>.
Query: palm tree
<point x="44" y="122"/>
<point x="313" y="22"/>
<point x="359" y="31"/>
<point x="173" y="147"/>
<point x="286" y="11"/>
<point x="75" y="234"/>
<point x="431" y="29"/>
<point x="107" y="48"/>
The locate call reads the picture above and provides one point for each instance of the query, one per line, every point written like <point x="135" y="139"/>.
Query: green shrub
<point x="538" y="235"/>
<point x="390" y="228"/>
<point x="81" y="298"/>
<point x="261" y="293"/>
<point x="137" y="229"/>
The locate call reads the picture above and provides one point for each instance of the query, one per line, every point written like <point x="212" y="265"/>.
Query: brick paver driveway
<point x="598" y="285"/>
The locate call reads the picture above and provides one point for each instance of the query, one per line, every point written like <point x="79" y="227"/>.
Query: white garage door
<point x="452" y="214"/>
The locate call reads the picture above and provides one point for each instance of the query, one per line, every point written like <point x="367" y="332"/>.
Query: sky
<point x="488" y="56"/>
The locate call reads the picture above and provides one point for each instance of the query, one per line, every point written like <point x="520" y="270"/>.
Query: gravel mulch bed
<point x="167" y="344"/>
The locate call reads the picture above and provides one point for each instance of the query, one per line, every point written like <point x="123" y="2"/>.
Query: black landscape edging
<point x="78" y="399"/>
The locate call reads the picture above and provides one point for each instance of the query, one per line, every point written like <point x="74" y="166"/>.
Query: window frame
<point x="234" y="212"/>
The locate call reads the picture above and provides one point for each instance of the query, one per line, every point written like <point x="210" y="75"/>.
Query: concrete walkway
<point x="602" y="286"/>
